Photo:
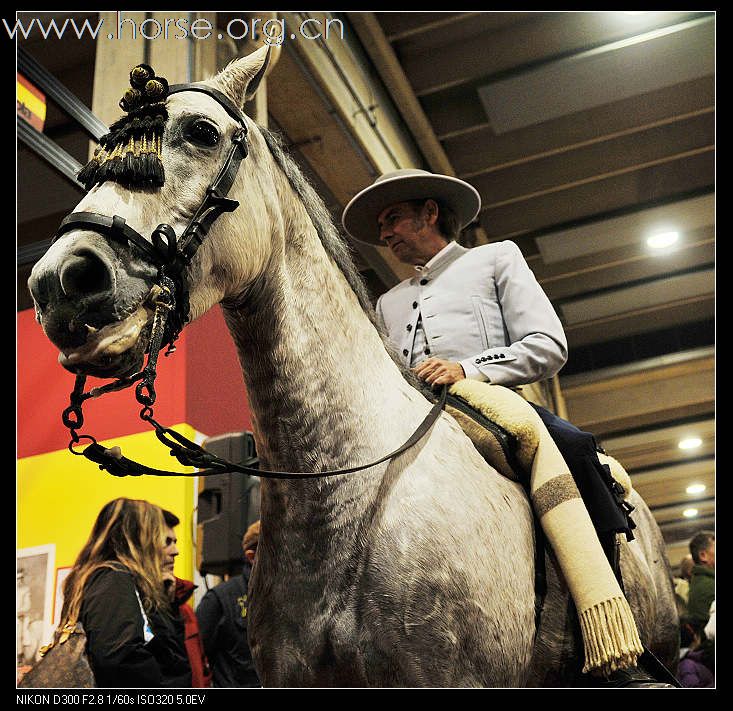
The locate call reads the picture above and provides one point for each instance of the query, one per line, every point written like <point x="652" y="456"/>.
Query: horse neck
<point x="323" y="394"/>
<point x="323" y="391"/>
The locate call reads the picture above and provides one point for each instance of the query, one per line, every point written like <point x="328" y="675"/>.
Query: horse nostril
<point x="40" y="290"/>
<point x="84" y="274"/>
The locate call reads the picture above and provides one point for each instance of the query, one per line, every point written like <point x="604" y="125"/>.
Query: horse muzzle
<point x="91" y="309"/>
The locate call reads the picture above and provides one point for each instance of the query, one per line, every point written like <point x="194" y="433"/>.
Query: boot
<point x="629" y="678"/>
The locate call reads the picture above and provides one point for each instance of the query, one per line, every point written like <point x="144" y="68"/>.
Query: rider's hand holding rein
<point x="437" y="371"/>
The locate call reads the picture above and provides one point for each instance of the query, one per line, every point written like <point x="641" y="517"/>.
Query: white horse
<point x="415" y="572"/>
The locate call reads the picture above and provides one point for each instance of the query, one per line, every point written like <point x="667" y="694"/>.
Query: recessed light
<point x="695" y="488"/>
<point x="663" y="239"/>
<point x="690" y="443"/>
<point x="690" y="513"/>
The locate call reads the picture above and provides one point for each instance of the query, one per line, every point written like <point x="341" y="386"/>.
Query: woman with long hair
<point x="116" y="590"/>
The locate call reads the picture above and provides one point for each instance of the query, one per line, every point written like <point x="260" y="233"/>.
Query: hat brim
<point x="360" y="215"/>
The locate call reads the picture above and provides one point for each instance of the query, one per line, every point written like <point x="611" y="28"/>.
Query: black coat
<point x="222" y="616"/>
<point x="117" y="648"/>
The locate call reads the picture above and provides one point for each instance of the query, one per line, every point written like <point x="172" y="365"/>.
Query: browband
<point x="222" y="98"/>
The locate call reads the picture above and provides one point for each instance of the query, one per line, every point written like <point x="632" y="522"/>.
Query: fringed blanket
<point x="610" y="635"/>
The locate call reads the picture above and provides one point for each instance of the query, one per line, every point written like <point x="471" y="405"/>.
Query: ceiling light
<point x="695" y="488"/>
<point x="689" y="513"/>
<point x="690" y="443"/>
<point x="663" y="239"/>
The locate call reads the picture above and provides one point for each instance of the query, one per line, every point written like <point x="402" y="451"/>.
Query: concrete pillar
<point x="114" y="58"/>
<point x="204" y="51"/>
<point x="130" y="38"/>
<point x="170" y="56"/>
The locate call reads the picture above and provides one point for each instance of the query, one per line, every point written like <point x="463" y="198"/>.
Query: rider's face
<point x="404" y="229"/>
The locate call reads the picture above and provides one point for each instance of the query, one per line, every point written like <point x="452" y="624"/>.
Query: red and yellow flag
<point x="31" y="103"/>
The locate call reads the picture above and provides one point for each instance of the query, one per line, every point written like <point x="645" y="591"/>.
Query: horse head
<point x="93" y="288"/>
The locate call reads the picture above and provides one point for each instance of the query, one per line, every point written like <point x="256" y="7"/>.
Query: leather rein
<point x="171" y="256"/>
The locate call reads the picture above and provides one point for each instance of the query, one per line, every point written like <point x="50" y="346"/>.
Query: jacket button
<point x="478" y="360"/>
<point x="423" y="282"/>
<point x="414" y="304"/>
<point x="405" y="352"/>
<point x="501" y="355"/>
<point x="427" y="351"/>
<point x="409" y="327"/>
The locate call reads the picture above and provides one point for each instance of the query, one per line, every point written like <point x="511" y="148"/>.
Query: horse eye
<point x="203" y="133"/>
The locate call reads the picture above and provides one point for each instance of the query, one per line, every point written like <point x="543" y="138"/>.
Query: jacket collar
<point x="442" y="259"/>
<point x="184" y="590"/>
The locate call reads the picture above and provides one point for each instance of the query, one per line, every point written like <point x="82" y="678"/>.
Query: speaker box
<point x="228" y="503"/>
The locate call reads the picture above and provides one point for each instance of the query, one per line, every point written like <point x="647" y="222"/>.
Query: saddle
<point x="502" y="426"/>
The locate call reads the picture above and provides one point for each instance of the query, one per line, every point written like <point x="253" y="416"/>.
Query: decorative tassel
<point x="87" y="174"/>
<point x="130" y="153"/>
<point x="610" y="636"/>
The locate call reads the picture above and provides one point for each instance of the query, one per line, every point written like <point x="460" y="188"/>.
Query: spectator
<point x="222" y="615"/>
<point x="116" y="590"/>
<point x="710" y="626"/>
<point x="694" y="669"/>
<point x="702" y="583"/>
<point x="682" y="584"/>
<point x="180" y="592"/>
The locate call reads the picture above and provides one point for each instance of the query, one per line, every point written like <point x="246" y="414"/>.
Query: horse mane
<point x="335" y="246"/>
<point x="333" y="242"/>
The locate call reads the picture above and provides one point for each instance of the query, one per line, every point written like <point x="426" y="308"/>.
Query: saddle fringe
<point x="610" y="636"/>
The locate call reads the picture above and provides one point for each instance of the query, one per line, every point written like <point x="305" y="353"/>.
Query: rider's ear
<point x="241" y="78"/>
<point x="431" y="210"/>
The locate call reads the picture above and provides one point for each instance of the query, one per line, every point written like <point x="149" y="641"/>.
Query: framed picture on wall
<point x="34" y="600"/>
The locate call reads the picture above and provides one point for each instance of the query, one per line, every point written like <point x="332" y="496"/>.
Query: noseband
<point x="171" y="256"/>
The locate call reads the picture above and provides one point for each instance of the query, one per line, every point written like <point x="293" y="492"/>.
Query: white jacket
<point x="481" y="307"/>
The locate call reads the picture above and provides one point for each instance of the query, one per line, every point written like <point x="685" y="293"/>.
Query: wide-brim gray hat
<point x="360" y="215"/>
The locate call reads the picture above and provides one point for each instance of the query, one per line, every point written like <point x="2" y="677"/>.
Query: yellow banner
<point x="59" y="496"/>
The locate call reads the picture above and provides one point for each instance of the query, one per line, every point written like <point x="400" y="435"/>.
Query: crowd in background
<point x="695" y="596"/>
<point x="141" y="629"/>
<point x="156" y="638"/>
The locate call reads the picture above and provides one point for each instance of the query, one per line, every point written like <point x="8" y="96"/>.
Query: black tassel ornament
<point x="130" y="154"/>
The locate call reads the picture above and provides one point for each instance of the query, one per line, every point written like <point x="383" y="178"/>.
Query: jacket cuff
<point x="471" y="371"/>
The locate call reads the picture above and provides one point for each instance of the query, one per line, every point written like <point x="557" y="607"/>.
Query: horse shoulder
<point x="449" y="563"/>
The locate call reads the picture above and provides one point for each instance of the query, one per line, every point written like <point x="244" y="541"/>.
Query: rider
<point x="476" y="313"/>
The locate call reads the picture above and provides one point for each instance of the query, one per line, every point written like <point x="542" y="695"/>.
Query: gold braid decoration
<point x="131" y="153"/>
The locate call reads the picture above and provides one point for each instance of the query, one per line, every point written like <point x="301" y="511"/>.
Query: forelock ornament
<point x="130" y="154"/>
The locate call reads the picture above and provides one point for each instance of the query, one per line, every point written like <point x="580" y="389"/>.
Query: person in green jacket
<point x="702" y="584"/>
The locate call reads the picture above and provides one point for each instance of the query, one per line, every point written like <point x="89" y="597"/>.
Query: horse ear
<point x="254" y="83"/>
<point x="241" y="78"/>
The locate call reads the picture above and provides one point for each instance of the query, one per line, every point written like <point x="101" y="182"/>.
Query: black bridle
<point x="172" y="256"/>
<point x="168" y="253"/>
